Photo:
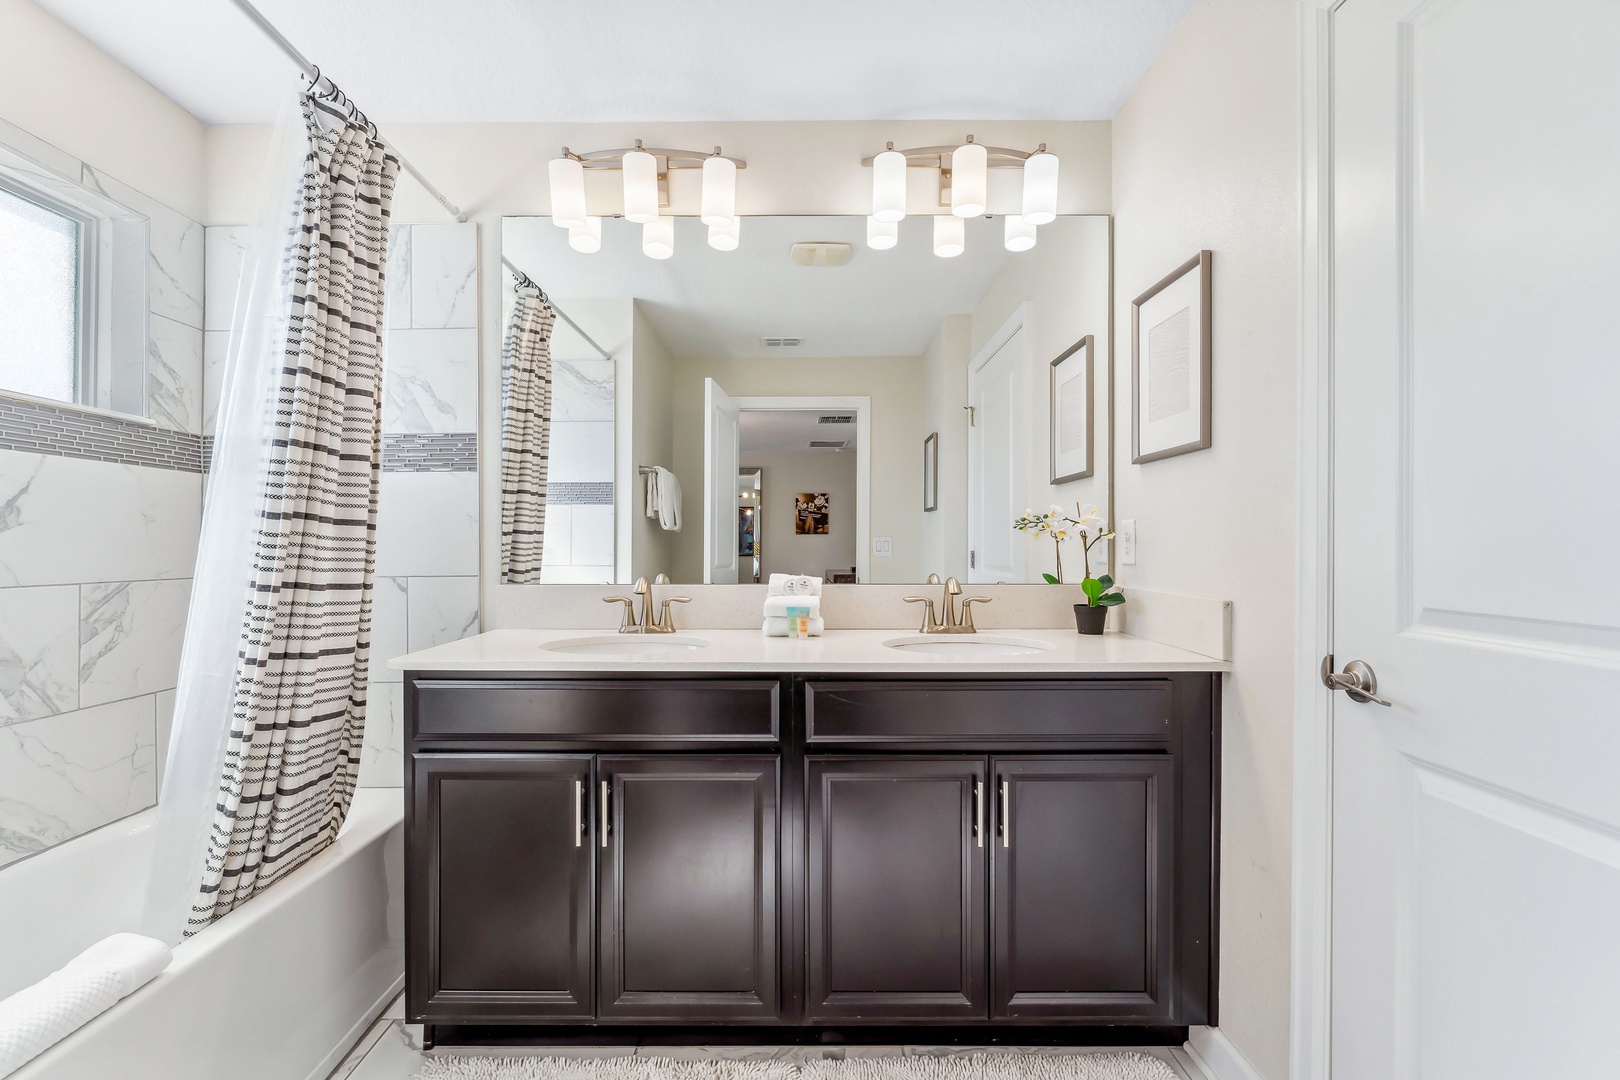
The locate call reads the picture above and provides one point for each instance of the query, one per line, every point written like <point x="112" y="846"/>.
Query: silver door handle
<point x="579" y="812"/>
<point x="1357" y="680"/>
<point x="1006" y="813"/>
<point x="605" y="820"/>
<point x="978" y="811"/>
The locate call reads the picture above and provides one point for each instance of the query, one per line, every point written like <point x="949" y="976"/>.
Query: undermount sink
<point x="969" y="645"/>
<point x="629" y="645"/>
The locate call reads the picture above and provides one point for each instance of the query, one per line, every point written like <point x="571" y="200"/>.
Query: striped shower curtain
<point x="525" y="433"/>
<point x="298" y="708"/>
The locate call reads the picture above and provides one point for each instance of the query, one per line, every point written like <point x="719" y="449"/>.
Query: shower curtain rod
<point x="559" y="312"/>
<point x="313" y="74"/>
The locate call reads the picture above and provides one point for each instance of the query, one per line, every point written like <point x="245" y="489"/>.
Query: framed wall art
<point x="1171" y="404"/>
<point x="1069" y="423"/>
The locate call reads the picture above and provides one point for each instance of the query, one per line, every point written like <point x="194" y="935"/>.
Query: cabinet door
<point x="1082" y="870"/>
<point x="689" y="887"/>
<point x="500" y="868"/>
<point x="896" y="888"/>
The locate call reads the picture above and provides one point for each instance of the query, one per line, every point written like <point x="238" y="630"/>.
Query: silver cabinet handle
<point x="579" y="812"/>
<point x="978" y="811"/>
<point x="1006" y="813"/>
<point x="605" y="819"/>
<point x="1357" y="680"/>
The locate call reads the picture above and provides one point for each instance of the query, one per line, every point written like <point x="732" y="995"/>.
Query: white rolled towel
<point x="793" y="585"/>
<point x="782" y="626"/>
<point x="778" y="605"/>
<point x="37" y="1017"/>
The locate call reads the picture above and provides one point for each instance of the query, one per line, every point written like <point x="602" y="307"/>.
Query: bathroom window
<point x="72" y="291"/>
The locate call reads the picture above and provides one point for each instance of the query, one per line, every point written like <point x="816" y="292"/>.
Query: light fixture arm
<point x="939" y="157"/>
<point x="672" y="159"/>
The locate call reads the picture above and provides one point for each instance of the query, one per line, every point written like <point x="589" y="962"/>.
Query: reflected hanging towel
<point x="664" y="498"/>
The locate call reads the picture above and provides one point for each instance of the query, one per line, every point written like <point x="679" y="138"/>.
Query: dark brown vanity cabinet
<point x="826" y="853"/>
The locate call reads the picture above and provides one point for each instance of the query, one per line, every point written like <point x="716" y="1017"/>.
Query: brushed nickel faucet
<point x="651" y="622"/>
<point x="952" y="623"/>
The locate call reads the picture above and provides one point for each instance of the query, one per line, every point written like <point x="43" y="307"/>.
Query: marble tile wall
<point x="426" y="590"/>
<point x="99" y="520"/>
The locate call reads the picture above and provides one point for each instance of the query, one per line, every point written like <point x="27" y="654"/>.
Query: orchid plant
<point x="1090" y="527"/>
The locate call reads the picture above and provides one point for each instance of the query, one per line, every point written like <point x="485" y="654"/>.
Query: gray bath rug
<point x="1104" y="1066"/>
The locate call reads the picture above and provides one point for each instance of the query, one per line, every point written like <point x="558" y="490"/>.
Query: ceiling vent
<point x="828" y="444"/>
<point x="781" y="342"/>
<point x="836" y="418"/>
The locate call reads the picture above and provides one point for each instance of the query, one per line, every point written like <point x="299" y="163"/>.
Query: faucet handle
<point x="627" y="622"/>
<point x="967" y="611"/>
<point x="666" y="619"/>
<point x="930" y="623"/>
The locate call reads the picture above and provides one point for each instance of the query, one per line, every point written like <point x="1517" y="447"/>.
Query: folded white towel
<point x="782" y="626"/>
<point x="664" y="498"/>
<point x="37" y="1017"/>
<point x="793" y="585"/>
<point x="778" y="605"/>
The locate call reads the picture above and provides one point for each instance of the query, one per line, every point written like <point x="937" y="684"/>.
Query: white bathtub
<point x="276" y="990"/>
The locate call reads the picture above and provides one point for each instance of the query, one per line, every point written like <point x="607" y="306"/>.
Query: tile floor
<point x="392" y="1050"/>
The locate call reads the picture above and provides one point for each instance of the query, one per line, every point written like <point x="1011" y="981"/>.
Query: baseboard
<point x="1210" y="1052"/>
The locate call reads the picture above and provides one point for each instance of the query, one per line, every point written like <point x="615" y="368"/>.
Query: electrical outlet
<point x="882" y="545"/>
<point x="1127" y="542"/>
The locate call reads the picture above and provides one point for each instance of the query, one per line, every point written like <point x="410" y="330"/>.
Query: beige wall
<point x="896" y="425"/>
<point x="945" y="364"/>
<point x="1206" y="155"/>
<point x="58" y="87"/>
<point x="783" y="476"/>
<point x="1065" y="283"/>
<point x="652" y="549"/>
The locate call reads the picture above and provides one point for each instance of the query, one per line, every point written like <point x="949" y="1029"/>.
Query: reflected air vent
<point x="828" y="444"/>
<point x="836" y="418"/>
<point x="782" y="342"/>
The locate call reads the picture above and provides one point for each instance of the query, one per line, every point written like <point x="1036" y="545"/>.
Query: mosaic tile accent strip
<point x="37" y="428"/>
<point x="423" y="452"/>
<point x="580" y="494"/>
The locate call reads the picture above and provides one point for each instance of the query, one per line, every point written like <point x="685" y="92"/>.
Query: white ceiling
<point x="469" y="61"/>
<point x="762" y="431"/>
<point x="707" y="303"/>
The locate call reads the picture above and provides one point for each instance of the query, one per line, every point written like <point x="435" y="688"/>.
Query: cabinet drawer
<point x="1102" y="712"/>
<point x="601" y="711"/>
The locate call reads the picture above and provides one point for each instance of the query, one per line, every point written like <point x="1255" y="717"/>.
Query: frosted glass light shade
<point x="719" y="191"/>
<point x="1040" y="188"/>
<point x="1018" y="234"/>
<point x="726" y="237"/>
<point x="889" y="186"/>
<point x="970" y="179"/>
<point x="658" y="238"/>
<point x="640" y="187"/>
<point x="587" y="238"/>
<point x="567" y="193"/>
<point x="882" y="235"/>
<point x="950" y="236"/>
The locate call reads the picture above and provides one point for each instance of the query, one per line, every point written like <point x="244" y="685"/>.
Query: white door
<point x="720" y="453"/>
<point x="998" y="381"/>
<point x="1476" y="831"/>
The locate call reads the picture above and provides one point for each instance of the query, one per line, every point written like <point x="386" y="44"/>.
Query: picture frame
<point x="1071" y="385"/>
<point x="1172" y="406"/>
<point x="812" y="516"/>
<point x="931" y="473"/>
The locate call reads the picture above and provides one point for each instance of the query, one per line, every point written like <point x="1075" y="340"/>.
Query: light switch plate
<point x="882" y="545"/>
<point x="1127" y="542"/>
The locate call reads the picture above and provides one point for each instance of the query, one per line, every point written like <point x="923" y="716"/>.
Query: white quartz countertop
<point x="835" y="651"/>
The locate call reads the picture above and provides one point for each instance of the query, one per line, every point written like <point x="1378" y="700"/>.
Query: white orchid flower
<point x="1092" y="521"/>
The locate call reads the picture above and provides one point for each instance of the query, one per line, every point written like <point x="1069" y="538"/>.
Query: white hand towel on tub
<point x="777" y="606"/>
<point x="793" y="585"/>
<point x="37" y="1017"/>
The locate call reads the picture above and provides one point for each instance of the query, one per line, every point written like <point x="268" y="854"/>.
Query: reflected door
<point x="1476" y="823"/>
<point x="720" y="454"/>
<point x="998" y="385"/>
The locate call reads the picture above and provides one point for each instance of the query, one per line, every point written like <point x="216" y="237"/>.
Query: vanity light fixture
<point x="658" y="238"/>
<point x="1040" y="187"/>
<point x="587" y="238"/>
<point x="726" y="237"/>
<point x="889" y="185"/>
<point x="719" y="190"/>
<point x="1017" y="233"/>
<point x="882" y="235"/>
<point x="950" y="235"/>
<point x="970" y="179"/>
<point x="567" y="192"/>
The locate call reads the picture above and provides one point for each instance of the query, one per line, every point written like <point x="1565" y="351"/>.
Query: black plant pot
<point x="1088" y="619"/>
